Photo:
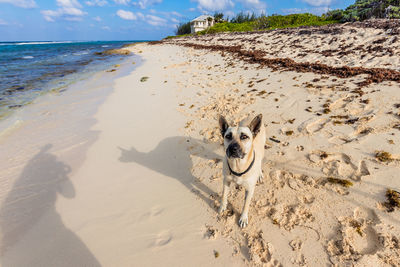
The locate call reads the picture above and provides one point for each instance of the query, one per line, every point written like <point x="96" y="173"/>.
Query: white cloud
<point x="140" y="15"/>
<point x="314" y="10"/>
<point x="175" y="20"/>
<point x="145" y="3"/>
<point x="96" y="3"/>
<point x="98" y="19"/>
<point x="214" y="5"/>
<point x="127" y="15"/>
<point x="21" y="3"/>
<point x="318" y="2"/>
<point x="192" y="9"/>
<point x="122" y="2"/>
<point x="69" y="10"/>
<point x="255" y="5"/>
<point x="176" y="14"/>
<point x="229" y="13"/>
<point x="155" y="21"/>
<point x="3" y="22"/>
<point x="106" y="28"/>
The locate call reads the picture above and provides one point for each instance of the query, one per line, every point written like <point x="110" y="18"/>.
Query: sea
<point x="30" y="69"/>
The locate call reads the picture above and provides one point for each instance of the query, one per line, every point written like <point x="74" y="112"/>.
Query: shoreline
<point x="146" y="190"/>
<point x="34" y="73"/>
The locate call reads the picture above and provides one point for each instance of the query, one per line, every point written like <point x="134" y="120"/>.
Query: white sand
<point x="143" y="186"/>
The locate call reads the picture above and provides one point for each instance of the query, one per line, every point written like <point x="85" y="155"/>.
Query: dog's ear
<point x="223" y="125"/>
<point x="255" y="125"/>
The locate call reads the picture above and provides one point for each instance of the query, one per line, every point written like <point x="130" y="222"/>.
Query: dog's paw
<point x="221" y="209"/>
<point x="243" y="221"/>
<point x="260" y="178"/>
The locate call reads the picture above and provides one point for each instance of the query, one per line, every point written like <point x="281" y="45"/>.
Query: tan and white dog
<point x="244" y="152"/>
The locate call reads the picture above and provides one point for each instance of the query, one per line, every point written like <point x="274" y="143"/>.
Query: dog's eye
<point x="243" y="137"/>
<point x="228" y="136"/>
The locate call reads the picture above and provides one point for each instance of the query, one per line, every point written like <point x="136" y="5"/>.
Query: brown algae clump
<point x="216" y="254"/>
<point x="289" y="133"/>
<point x="326" y="111"/>
<point x="357" y="226"/>
<point x="342" y="182"/>
<point x="392" y="200"/>
<point x="143" y="79"/>
<point x="323" y="155"/>
<point x="383" y="156"/>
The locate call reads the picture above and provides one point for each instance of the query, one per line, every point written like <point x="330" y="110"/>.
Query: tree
<point x="219" y="17"/>
<point x="183" y="28"/>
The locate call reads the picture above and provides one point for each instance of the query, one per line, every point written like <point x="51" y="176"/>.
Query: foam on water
<point x="29" y="69"/>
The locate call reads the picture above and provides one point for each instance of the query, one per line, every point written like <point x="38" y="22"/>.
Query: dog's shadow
<point x="171" y="157"/>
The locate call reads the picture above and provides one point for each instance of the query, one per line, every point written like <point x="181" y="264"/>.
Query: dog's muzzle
<point x="234" y="151"/>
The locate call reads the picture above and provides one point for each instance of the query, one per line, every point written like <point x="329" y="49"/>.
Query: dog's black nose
<point x="234" y="151"/>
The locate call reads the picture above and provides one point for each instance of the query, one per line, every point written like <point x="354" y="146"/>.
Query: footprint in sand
<point x="162" y="239"/>
<point x="355" y="238"/>
<point x="312" y="126"/>
<point x="154" y="211"/>
<point x="339" y="165"/>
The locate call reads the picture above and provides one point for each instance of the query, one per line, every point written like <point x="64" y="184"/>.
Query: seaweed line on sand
<point x="374" y="75"/>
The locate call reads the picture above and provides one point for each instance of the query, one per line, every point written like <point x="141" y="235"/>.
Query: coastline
<point x="144" y="184"/>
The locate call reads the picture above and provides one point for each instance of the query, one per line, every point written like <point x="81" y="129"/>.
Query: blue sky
<point x="128" y="19"/>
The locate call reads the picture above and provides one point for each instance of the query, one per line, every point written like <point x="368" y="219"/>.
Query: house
<point x="201" y="23"/>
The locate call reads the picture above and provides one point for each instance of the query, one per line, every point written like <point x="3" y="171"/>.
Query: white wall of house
<point x="196" y="26"/>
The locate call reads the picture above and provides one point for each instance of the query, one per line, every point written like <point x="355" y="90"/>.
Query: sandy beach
<point x="128" y="171"/>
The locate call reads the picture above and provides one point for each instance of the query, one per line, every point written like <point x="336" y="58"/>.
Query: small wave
<point x="40" y="43"/>
<point x="81" y="53"/>
<point x="105" y="46"/>
<point x="27" y="57"/>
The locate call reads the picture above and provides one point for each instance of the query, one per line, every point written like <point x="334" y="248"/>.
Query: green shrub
<point x="218" y="17"/>
<point x="294" y="20"/>
<point x="367" y="9"/>
<point x="229" y="27"/>
<point x="183" y="28"/>
<point x="243" y="17"/>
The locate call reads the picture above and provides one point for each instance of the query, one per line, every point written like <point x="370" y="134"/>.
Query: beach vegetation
<point x="246" y="22"/>
<point x="229" y="27"/>
<point x="219" y="17"/>
<point x="290" y="21"/>
<point x="367" y="9"/>
<point x="183" y="28"/>
<point x="144" y="78"/>
<point x="244" y="17"/>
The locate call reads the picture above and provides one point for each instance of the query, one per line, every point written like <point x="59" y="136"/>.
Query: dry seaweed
<point x="374" y="75"/>
<point x="342" y="182"/>
<point x="289" y="133"/>
<point x="392" y="200"/>
<point x="323" y="155"/>
<point x="383" y="156"/>
<point x="326" y="111"/>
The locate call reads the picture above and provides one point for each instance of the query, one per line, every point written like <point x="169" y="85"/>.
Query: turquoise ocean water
<point x="29" y="69"/>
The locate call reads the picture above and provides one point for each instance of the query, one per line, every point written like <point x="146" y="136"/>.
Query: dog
<point x="244" y="152"/>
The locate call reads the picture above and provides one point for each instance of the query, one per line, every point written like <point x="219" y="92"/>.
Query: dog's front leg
<point x="224" y="200"/>
<point x="243" y="221"/>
